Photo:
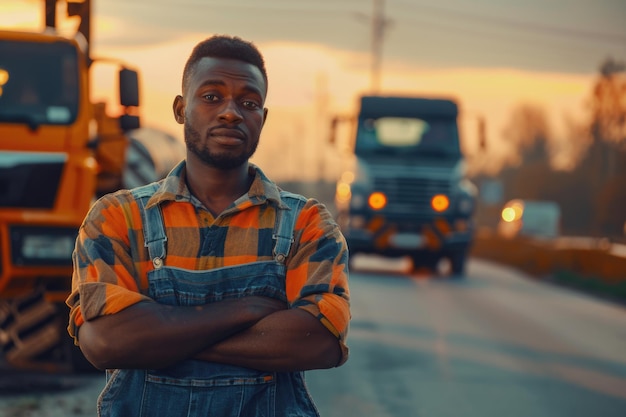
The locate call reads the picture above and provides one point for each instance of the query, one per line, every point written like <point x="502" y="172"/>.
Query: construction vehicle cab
<point x="59" y="151"/>
<point x="406" y="193"/>
<point x="39" y="81"/>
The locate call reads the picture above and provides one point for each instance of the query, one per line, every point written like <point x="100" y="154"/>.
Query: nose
<point x="230" y="112"/>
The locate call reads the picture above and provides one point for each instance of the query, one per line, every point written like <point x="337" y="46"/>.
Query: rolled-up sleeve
<point x="104" y="280"/>
<point x="317" y="276"/>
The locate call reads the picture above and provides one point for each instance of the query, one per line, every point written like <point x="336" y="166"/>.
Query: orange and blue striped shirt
<point x="111" y="263"/>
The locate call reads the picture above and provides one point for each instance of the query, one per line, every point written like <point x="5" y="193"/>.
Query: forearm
<point x="289" y="340"/>
<point x="152" y="335"/>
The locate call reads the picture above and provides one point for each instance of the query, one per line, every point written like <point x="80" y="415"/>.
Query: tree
<point x="608" y="106"/>
<point x="605" y="162"/>
<point x="607" y="127"/>
<point x="528" y="131"/>
<point x="592" y="196"/>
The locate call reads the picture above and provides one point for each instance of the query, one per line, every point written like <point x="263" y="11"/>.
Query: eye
<point x="210" y="97"/>
<point x="251" y="105"/>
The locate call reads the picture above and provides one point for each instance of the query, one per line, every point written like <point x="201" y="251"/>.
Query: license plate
<point x="407" y="240"/>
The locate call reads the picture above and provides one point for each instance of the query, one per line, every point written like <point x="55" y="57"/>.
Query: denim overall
<point x="200" y="389"/>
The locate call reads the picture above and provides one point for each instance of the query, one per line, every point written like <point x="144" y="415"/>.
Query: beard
<point x="224" y="160"/>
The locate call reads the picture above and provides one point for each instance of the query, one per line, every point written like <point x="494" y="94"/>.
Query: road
<point x="495" y="343"/>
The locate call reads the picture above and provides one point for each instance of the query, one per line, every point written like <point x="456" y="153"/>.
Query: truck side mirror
<point x="129" y="122"/>
<point x="129" y="87"/>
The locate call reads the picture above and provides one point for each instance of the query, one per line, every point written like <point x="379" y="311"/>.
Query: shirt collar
<point x="174" y="188"/>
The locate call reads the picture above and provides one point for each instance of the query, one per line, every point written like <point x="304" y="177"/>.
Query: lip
<point x="227" y="136"/>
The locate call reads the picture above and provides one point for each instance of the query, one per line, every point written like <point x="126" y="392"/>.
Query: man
<point x="210" y="292"/>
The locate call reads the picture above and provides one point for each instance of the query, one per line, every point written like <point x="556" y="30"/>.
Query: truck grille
<point x="411" y="195"/>
<point x="30" y="180"/>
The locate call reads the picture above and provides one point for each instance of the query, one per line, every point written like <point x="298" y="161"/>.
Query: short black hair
<point x="224" y="46"/>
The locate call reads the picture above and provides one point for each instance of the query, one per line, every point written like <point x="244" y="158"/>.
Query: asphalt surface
<point x="494" y="343"/>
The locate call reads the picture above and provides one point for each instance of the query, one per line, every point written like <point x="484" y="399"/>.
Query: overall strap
<point x="285" y="224"/>
<point x="153" y="228"/>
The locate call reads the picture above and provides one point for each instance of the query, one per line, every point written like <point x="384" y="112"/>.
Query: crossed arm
<point x="255" y="332"/>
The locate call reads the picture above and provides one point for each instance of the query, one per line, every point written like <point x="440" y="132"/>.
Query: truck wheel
<point x="33" y="336"/>
<point x="457" y="263"/>
<point x="423" y="264"/>
<point x="28" y="330"/>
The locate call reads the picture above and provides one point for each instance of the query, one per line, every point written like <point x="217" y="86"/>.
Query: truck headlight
<point x="377" y="200"/>
<point x="440" y="203"/>
<point x="42" y="245"/>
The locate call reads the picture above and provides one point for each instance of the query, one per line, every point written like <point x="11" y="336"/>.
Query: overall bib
<point x="201" y="389"/>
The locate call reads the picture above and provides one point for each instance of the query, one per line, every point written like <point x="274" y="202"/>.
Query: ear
<point x="265" y="110"/>
<point x="179" y="109"/>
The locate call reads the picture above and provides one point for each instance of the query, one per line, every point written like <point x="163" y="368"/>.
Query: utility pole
<point x="321" y="122"/>
<point x="379" y="24"/>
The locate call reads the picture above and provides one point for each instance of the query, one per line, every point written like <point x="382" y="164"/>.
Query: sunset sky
<point x="492" y="55"/>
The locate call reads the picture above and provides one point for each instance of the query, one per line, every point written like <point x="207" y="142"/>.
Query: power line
<point x="523" y="25"/>
<point x="286" y="7"/>
<point x="379" y="24"/>
<point x="329" y="7"/>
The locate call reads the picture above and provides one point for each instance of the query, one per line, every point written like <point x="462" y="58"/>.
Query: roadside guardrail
<point x="593" y="265"/>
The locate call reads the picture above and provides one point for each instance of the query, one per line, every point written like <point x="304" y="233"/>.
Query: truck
<point x="59" y="151"/>
<point x="405" y="191"/>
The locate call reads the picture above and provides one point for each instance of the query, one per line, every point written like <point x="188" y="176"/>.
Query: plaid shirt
<point x="111" y="262"/>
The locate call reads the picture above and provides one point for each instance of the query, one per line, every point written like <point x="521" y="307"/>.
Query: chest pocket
<point x="174" y="286"/>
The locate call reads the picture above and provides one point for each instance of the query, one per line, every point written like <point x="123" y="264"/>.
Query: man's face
<point x="222" y="111"/>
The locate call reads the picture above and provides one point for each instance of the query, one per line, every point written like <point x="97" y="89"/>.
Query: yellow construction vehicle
<point x="58" y="152"/>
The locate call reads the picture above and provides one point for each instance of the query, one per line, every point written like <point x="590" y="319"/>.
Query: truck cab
<point x="406" y="193"/>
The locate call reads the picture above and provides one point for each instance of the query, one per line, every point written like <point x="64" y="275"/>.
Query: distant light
<point x="513" y="211"/>
<point x="343" y="192"/>
<point x="4" y="76"/>
<point x="440" y="203"/>
<point x="508" y="214"/>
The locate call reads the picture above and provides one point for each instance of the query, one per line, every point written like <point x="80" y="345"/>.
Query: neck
<point x="215" y="188"/>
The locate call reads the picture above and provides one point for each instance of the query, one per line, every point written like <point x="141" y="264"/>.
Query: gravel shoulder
<point x="46" y="395"/>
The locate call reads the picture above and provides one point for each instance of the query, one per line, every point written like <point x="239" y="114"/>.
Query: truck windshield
<point x="428" y="137"/>
<point x="38" y="83"/>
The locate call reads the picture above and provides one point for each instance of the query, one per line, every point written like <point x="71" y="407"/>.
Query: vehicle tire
<point x="424" y="264"/>
<point x="457" y="263"/>
<point x="28" y="330"/>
